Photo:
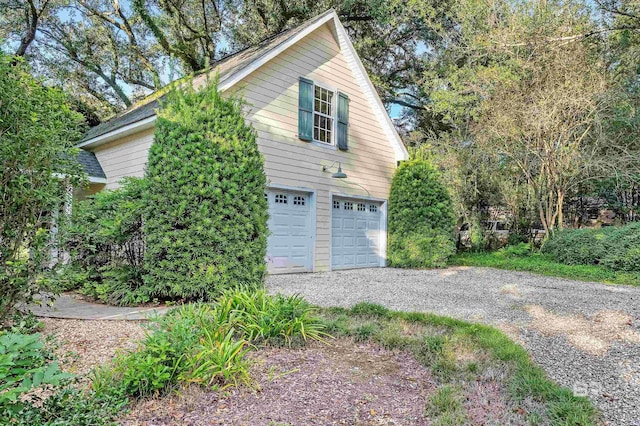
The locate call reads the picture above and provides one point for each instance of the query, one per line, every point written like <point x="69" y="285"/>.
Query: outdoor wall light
<point x="337" y="175"/>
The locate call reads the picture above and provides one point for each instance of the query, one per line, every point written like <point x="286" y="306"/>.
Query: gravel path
<point x="585" y="335"/>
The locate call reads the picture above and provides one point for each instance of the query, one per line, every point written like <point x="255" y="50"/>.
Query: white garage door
<point x="290" y="243"/>
<point x="356" y="233"/>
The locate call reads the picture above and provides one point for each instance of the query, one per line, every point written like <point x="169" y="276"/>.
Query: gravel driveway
<point x="585" y="335"/>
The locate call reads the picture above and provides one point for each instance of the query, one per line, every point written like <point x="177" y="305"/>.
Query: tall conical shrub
<point x="206" y="215"/>
<point x="421" y="220"/>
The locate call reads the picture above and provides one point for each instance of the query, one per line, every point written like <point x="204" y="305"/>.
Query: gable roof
<point x="233" y="68"/>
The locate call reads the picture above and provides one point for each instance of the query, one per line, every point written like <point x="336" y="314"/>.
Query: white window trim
<point x="333" y="116"/>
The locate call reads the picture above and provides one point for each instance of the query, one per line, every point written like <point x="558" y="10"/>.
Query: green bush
<point x="106" y="244"/>
<point x="206" y="215"/>
<point x="421" y="219"/>
<point x="615" y="248"/>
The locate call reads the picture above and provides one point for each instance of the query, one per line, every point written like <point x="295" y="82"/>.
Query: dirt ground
<point x="343" y="384"/>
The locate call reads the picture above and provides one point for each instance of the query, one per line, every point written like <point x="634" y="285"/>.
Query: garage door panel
<point x="356" y="233"/>
<point x="290" y="243"/>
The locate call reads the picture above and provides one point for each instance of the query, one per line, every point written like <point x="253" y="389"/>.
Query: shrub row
<point x="615" y="248"/>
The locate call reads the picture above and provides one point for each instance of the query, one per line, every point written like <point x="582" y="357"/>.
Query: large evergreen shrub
<point x="206" y="215"/>
<point x="421" y="218"/>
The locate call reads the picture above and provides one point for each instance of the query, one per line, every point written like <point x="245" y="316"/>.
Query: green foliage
<point x="370" y="309"/>
<point x="23" y="367"/>
<point x="106" y="244"/>
<point x="520" y="249"/>
<point x="205" y="213"/>
<point x="546" y="265"/>
<point x="70" y="406"/>
<point x="206" y="344"/>
<point x="37" y="132"/>
<point x="445" y="407"/>
<point x="615" y="248"/>
<point x="421" y="218"/>
<point x="273" y="320"/>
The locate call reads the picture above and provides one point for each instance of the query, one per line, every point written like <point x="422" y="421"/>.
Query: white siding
<point x="124" y="157"/>
<point x="272" y="93"/>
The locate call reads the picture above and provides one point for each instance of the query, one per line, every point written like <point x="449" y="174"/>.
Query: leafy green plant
<point x="205" y="213"/>
<point x="23" y="367"/>
<point x="106" y="244"/>
<point x="69" y="406"/>
<point x="615" y="248"/>
<point x="520" y="249"/>
<point x="206" y="343"/>
<point x="421" y="219"/>
<point x="272" y="319"/>
<point x="218" y="361"/>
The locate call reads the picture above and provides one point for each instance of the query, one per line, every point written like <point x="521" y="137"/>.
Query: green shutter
<point x="343" y="121"/>
<point x="305" y="110"/>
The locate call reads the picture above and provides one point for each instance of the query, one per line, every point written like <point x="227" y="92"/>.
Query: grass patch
<point x="545" y="265"/>
<point x="445" y="407"/>
<point x="458" y="353"/>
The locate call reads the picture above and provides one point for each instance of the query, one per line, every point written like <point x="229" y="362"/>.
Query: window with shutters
<point x="323" y="115"/>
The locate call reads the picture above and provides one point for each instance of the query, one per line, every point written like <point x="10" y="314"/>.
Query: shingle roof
<point x="225" y="67"/>
<point x="90" y="164"/>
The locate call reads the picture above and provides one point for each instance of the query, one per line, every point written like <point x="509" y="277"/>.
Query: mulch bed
<point x="341" y="384"/>
<point x="83" y="344"/>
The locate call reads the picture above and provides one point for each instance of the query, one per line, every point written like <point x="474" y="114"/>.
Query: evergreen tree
<point x="206" y="214"/>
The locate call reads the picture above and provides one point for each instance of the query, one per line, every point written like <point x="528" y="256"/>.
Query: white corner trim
<point x="354" y="62"/>
<point x="95" y="179"/>
<point x="120" y="132"/>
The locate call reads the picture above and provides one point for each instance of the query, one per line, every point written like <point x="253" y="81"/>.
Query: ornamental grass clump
<point x="205" y="217"/>
<point x="206" y="343"/>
